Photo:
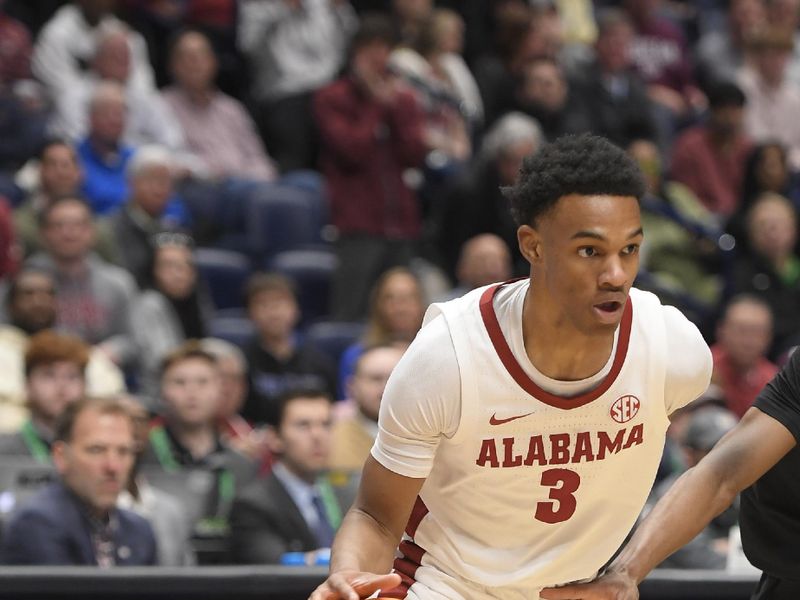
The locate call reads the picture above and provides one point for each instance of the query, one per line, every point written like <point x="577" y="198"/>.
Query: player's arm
<point x="420" y="405"/>
<point x="370" y="532"/>
<point x="703" y="492"/>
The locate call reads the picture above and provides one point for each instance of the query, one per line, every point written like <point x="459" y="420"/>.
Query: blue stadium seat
<point x="236" y="311"/>
<point x="10" y="191"/>
<point x="333" y="337"/>
<point x="312" y="184"/>
<point x="311" y="270"/>
<point x="225" y="273"/>
<point x="282" y="217"/>
<point x="236" y="330"/>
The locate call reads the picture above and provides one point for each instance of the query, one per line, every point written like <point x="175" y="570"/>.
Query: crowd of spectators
<point x="188" y="417"/>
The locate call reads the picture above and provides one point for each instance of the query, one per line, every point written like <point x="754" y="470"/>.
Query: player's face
<point x="584" y="256"/>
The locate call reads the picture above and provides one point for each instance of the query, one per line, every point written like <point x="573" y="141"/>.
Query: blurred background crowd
<point x="230" y="216"/>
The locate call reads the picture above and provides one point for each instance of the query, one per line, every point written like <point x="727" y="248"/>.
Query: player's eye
<point x="587" y="251"/>
<point x="631" y="249"/>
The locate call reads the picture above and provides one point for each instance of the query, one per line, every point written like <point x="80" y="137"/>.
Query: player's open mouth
<point x="609" y="307"/>
<point x="609" y="313"/>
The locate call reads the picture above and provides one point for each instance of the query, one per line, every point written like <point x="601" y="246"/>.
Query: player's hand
<point x="611" y="586"/>
<point x="354" y="585"/>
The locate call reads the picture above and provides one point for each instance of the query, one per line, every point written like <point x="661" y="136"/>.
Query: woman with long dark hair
<point x="174" y="308"/>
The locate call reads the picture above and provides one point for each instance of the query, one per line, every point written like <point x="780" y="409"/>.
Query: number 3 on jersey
<point x="563" y="483"/>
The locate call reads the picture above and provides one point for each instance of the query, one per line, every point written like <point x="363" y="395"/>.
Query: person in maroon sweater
<point x="710" y="158"/>
<point x="371" y="132"/>
<point x="9" y="250"/>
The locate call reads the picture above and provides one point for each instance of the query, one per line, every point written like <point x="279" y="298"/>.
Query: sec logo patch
<point x="625" y="408"/>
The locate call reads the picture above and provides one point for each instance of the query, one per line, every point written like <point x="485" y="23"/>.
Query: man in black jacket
<point x="296" y="508"/>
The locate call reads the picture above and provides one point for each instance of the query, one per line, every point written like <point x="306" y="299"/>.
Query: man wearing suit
<point x="295" y="508"/>
<point x="74" y="521"/>
<point x="354" y="434"/>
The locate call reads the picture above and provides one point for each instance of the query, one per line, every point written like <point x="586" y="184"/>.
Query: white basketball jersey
<point x="536" y="490"/>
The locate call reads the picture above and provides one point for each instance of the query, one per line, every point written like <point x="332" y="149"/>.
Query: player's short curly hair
<point x="585" y="164"/>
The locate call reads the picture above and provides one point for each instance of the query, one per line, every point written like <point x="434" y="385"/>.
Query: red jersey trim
<point x="410" y="560"/>
<point x="521" y="377"/>
<point x="417" y="514"/>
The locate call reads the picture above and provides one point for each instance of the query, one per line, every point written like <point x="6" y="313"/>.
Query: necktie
<point x="104" y="547"/>
<point x="322" y="530"/>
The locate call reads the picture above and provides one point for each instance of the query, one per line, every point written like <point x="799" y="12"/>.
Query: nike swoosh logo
<point x="495" y="421"/>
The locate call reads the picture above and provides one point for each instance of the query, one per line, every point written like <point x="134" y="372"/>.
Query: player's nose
<point x="614" y="273"/>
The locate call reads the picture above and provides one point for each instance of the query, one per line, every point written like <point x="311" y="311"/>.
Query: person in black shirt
<point x="760" y="458"/>
<point x="277" y="361"/>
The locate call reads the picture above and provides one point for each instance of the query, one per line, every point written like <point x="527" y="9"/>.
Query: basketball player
<point x="759" y="454"/>
<point x="521" y="432"/>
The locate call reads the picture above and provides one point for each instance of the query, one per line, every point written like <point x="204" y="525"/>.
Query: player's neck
<point x="557" y="349"/>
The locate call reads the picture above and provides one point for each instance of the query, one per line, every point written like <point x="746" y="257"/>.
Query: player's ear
<point x="529" y="243"/>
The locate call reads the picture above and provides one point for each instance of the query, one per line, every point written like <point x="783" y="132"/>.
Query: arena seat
<point x="311" y="270"/>
<point x="234" y="329"/>
<point x="20" y="478"/>
<point x="225" y="273"/>
<point x="283" y="217"/>
<point x="333" y="337"/>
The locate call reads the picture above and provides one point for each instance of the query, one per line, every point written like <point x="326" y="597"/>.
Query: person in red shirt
<point x="710" y="158"/>
<point x="15" y="51"/>
<point x="372" y="134"/>
<point x="9" y="250"/>
<point x="741" y="368"/>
